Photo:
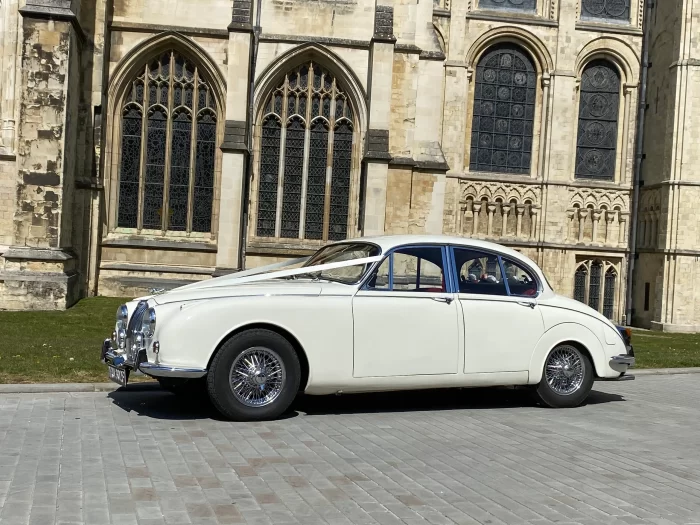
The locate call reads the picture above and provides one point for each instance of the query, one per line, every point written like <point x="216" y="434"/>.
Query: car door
<point x="502" y="320"/>
<point x="406" y="319"/>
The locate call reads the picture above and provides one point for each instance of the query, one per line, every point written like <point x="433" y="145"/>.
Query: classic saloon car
<point x="370" y="314"/>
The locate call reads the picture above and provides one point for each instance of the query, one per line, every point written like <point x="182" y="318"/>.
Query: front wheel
<point x="254" y="376"/>
<point x="567" y="378"/>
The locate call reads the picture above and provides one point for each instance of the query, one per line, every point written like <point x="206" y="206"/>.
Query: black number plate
<point x="118" y="375"/>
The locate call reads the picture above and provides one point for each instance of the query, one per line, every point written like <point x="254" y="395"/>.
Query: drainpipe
<point x="245" y="200"/>
<point x="639" y="148"/>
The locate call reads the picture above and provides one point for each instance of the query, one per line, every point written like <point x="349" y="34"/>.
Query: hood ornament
<point x="156" y="291"/>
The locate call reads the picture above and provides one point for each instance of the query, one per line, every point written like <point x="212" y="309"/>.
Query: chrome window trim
<point x="501" y="257"/>
<point x="389" y="253"/>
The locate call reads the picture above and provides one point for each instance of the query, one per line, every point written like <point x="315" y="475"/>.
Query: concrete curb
<point x="74" y="387"/>
<point x="663" y="371"/>
<point x="42" y="388"/>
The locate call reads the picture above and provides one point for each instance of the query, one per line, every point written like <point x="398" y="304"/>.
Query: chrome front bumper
<point x="622" y="363"/>
<point x="112" y="357"/>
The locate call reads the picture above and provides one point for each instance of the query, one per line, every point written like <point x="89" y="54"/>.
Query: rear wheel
<point x="254" y="376"/>
<point x="567" y="378"/>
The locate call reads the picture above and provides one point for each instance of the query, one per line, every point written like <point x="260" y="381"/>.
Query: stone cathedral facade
<point x="150" y="143"/>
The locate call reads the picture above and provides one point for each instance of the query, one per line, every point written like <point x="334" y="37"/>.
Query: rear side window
<point x="479" y="272"/>
<point x="520" y="281"/>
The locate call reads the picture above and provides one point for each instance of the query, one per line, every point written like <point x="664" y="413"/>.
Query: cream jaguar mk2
<point x="370" y="314"/>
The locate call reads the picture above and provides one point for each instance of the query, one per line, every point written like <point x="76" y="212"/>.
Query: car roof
<point x="388" y="242"/>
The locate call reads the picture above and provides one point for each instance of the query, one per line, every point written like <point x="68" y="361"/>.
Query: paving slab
<point x="141" y="455"/>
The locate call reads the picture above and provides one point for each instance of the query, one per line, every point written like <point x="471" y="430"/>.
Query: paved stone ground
<point x="632" y="455"/>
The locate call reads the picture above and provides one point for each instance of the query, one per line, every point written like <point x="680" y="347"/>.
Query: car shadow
<point x="431" y="400"/>
<point x="149" y="400"/>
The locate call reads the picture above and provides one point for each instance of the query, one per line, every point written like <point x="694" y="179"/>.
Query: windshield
<point x="343" y="252"/>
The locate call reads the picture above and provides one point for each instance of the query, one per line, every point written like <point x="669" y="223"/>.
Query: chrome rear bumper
<point x="112" y="357"/>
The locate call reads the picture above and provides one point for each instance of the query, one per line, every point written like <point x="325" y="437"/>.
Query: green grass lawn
<point x="663" y="350"/>
<point x="58" y="347"/>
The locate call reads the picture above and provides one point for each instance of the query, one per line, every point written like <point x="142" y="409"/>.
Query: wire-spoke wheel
<point x="257" y="376"/>
<point x="564" y="370"/>
<point x="567" y="377"/>
<point x="254" y="376"/>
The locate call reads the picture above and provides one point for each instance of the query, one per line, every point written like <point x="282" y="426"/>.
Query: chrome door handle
<point x="527" y="303"/>
<point x="447" y="300"/>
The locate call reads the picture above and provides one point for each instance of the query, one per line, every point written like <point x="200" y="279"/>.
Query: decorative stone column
<point x="582" y="215"/>
<point x="534" y="212"/>
<point x="491" y="207"/>
<point x="596" y="219"/>
<point x="377" y="155"/>
<point x="41" y="267"/>
<point x="570" y="214"/>
<point x="505" y="209"/>
<point x="519" y="210"/>
<point x="476" y="207"/>
<point x="609" y="219"/>
<point x="8" y="61"/>
<point x="624" y="216"/>
<point x="234" y="147"/>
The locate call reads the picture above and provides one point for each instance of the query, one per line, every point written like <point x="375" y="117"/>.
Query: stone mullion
<point x="165" y="216"/>
<point x="307" y="149"/>
<point x="193" y="145"/>
<point x="144" y="143"/>
<point x="329" y="164"/>
<point x="283" y="141"/>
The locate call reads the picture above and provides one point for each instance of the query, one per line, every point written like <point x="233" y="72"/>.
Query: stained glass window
<point x="166" y="176"/>
<point x="597" y="121"/>
<point x="306" y="194"/>
<point x="580" y="284"/>
<point x="594" y="285"/>
<point x="509" y="5"/>
<point x="607" y="10"/>
<point x="504" y="110"/>
<point x="609" y="292"/>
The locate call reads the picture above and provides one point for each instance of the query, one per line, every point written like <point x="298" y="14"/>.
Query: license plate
<point x="118" y="375"/>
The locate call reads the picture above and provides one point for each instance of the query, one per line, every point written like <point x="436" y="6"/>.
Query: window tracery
<point x="167" y="156"/>
<point x="308" y="121"/>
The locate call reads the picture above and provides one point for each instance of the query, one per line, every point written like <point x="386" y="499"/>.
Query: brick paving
<point x="488" y="456"/>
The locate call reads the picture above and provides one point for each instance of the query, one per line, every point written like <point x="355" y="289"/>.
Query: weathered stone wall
<point x="667" y="229"/>
<point x="175" y="13"/>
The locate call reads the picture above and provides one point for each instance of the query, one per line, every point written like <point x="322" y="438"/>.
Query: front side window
<point x="596" y="145"/>
<point x="340" y="253"/>
<point x="504" y="111"/>
<point x="168" y="144"/>
<point x="306" y="144"/>
<point x="478" y="272"/>
<point x="411" y="270"/>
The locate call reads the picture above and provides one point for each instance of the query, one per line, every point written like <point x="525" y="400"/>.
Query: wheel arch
<point x="293" y="340"/>
<point x="572" y="334"/>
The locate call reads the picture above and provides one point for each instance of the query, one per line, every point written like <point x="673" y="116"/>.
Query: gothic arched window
<point x="599" y="105"/>
<point x="166" y="176"/>
<point x="609" y="295"/>
<point x="504" y="111"/>
<point x="305" y="158"/>
<point x="580" y="283"/>
<point x="595" y="280"/>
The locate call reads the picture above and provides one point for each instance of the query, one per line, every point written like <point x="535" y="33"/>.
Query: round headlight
<point x="148" y="324"/>
<point x="122" y="313"/>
